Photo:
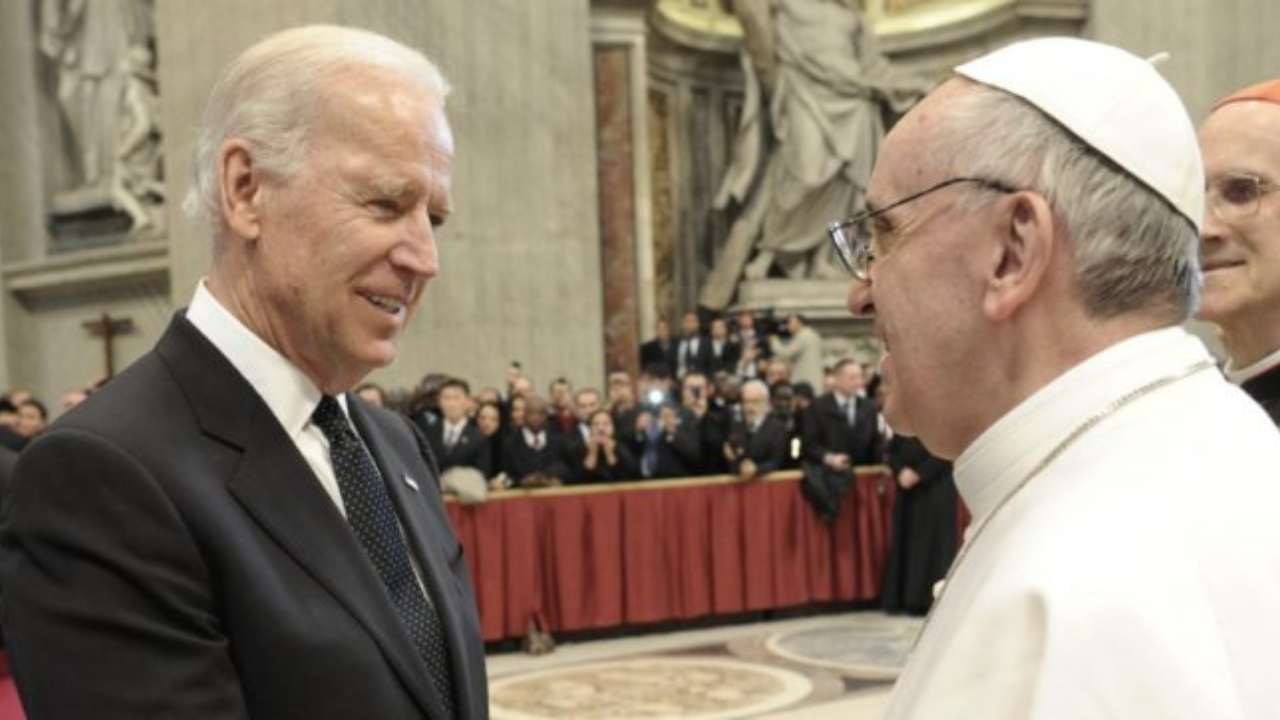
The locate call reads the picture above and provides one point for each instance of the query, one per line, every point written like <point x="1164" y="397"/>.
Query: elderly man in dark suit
<point x="223" y="531"/>
<point x="757" y="444"/>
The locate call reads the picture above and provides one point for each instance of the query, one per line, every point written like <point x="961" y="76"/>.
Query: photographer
<point x="710" y="421"/>
<point x="802" y="350"/>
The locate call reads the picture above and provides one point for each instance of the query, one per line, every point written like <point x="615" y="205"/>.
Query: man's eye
<point x="1239" y="191"/>
<point x="385" y="206"/>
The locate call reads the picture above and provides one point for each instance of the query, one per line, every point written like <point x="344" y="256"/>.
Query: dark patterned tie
<point x="373" y="518"/>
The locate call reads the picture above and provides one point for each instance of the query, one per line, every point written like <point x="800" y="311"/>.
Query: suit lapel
<point x="280" y="492"/>
<point x="428" y="533"/>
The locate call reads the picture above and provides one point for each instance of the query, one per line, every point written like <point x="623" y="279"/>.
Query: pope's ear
<point x="1026" y="239"/>
<point x="240" y="189"/>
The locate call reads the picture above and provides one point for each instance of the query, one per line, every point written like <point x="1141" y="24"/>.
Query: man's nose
<point x="418" y="252"/>
<point x="859" y="300"/>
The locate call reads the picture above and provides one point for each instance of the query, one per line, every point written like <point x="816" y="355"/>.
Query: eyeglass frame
<point x="1213" y="200"/>
<point x="857" y="260"/>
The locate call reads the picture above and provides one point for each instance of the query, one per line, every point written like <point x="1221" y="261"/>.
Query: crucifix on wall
<point x="107" y="328"/>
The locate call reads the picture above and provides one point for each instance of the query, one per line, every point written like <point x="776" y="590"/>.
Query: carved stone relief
<point x="101" y="57"/>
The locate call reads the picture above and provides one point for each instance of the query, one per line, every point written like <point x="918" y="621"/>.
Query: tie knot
<point x="330" y="418"/>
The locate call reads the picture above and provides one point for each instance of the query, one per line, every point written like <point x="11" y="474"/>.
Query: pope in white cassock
<point x="1029" y="257"/>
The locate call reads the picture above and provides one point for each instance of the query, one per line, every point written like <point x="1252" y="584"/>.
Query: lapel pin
<point x="411" y="483"/>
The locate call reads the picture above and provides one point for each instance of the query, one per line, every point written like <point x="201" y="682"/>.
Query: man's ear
<point x="240" y="186"/>
<point x="1026" y="241"/>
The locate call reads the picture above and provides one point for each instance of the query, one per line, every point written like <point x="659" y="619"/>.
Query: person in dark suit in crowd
<point x="679" y="449"/>
<point x="604" y="458"/>
<point x="573" y="442"/>
<point x="661" y="350"/>
<point x="560" y="394"/>
<point x="224" y="531"/>
<point x="757" y="444"/>
<point x="725" y="351"/>
<point x="924" y="527"/>
<point x="455" y="440"/>
<point x="8" y="459"/>
<point x="693" y="349"/>
<point x="665" y="440"/>
<point x="697" y="398"/>
<point x="532" y="456"/>
<point x="747" y="336"/>
<point x="840" y="428"/>
<point x="9" y="436"/>
<point x="782" y="403"/>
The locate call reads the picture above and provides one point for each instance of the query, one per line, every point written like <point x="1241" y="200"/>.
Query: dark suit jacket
<point x="698" y="360"/>
<point x="766" y="447"/>
<point x="8" y="459"/>
<point x="726" y="359"/>
<point x="826" y="429"/>
<point x="519" y="459"/>
<point x="656" y="351"/>
<point x="169" y="554"/>
<point x="470" y="450"/>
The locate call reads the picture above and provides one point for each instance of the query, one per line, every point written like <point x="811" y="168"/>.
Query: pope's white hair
<point x="1133" y="251"/>
<point x="267" y="97"/>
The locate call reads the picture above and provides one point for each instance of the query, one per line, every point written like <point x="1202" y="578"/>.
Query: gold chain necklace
<point x="1053" y="454"/>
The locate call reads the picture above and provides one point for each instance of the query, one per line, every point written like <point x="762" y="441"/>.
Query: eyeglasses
<point x="855" y="239"/>
<point x="1237" y="197"/>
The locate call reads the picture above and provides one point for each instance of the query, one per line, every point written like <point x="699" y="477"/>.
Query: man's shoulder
<point x="144" y="395"/>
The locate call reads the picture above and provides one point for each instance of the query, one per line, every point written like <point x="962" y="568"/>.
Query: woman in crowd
<point x="489" y="422"/>
<point x="606" y="459"/>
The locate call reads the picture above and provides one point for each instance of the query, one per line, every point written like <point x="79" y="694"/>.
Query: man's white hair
<point x="267" y="97"/>
<point x="1133" y="251"/>
<point x="755" y="384"/>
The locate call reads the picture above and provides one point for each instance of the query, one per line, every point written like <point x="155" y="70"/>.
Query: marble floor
<point x="833" y="666"/>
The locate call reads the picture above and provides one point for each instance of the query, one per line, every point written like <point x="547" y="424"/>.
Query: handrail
<point x="643" y="485"/>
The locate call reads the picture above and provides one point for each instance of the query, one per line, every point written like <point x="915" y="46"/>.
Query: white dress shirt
<point x="453" y="432"/>
<point x="286" y="390"/>
<point x="1137" y="576"/>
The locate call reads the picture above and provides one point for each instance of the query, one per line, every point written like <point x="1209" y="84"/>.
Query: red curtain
<point x="650" y="552"/>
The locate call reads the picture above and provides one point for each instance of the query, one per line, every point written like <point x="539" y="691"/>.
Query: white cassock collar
<point x="1002" y="456"/>
<point x="1243" y="375"/>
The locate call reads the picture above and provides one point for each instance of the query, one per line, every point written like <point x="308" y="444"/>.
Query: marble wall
<point x="1215" y="47"/>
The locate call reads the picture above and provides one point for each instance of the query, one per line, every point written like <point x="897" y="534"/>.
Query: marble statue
<point x="137" y="187"/>
<point x="812" y="119"/>
<point x="106" y="94"/>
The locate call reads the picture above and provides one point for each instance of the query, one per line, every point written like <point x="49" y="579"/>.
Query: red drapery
<point x="627" y="554"/>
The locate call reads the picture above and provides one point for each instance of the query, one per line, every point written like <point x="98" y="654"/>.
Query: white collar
<point x="1243" y="375"/>
<point x="452" y="428"/>
<point x="993" y="465"/>
<point x="287" y="391"/>
<point x="531" y="438"/>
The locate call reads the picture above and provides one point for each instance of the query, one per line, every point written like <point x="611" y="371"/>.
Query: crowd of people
<point x="727" y="401"/>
